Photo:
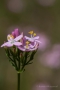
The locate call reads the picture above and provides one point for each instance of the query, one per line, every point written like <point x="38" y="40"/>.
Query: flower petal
<point x="17" y="33"/>
<point x="4" y="44"/>
<point x="13" y="33"/>
<point x="33" y="49"/>
<point x="30" y="39"/>
<point x="21" y="48"/>
<point x="31" y="46"/>
<point x="27" y="37"/>
<point x="37" y="37"/>
<point x="38" y="41"/>
<point x="18" y="38"/>
<point x="8" y="44"/>
<point x="17" y="43"/>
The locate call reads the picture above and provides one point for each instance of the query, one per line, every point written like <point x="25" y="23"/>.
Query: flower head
<point x="28" y="46"/>
<point x="30" y="43"/>
<point x="12" y="41"/>
<point x="24" y="48"/>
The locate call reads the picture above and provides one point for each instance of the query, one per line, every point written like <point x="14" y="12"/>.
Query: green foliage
<point x="19" y="59"/>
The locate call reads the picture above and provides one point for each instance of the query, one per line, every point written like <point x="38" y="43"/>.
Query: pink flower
<point x="30" y="43"/>
<point x="28" y="47"/>
<point x="23" y="43"/>
<point x="12" y="41"/>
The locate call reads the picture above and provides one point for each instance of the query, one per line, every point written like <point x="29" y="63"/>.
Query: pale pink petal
<point x="4" y="44"/>
<point x="21" y="48"/>
<point x="17" y="33"/>
<point x="18" y="38"/>
<point x="32" y="49"/>
<point x="38" y="41"/>
<point x="31" y="46"/>
<point x="37" y="37"/>
<point x="33" y="39"/>
<point x="8" y="44"/>
<point x="13" y="33"/>
<point x="27" y="38"/>
<point x="17" y="43"/>
<point x="29" y="49"/>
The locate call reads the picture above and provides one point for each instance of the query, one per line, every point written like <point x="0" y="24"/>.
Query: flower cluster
<point x="21" y="49"/>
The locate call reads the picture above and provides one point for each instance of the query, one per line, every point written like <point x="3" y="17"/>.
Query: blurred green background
<point x="42" y="16"/>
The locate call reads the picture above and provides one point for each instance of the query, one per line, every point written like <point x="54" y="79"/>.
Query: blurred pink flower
<point x="41" y="86"/>
<point x="45" y="42"/>
<point x="15" y="6"/>
<point x="52" y="57"/>
<point x="46" y="2"/>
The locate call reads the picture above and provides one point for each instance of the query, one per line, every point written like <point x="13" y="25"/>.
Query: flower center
<point x="27" y="45"/>
<point x="10" y="37"/>
<point x="12" y="41"/>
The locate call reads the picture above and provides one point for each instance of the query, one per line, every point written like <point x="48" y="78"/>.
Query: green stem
<point x="18" y="88"/>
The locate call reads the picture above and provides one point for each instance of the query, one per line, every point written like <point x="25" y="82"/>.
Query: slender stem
<point x="18" y="88"/>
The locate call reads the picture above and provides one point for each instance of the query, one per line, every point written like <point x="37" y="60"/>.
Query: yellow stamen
<point x="34" y="34"/>
<point x="12" y="36"/>
<point x="27" y="42"/>
<point x="31" y="32"/>
<point x="8" y="37"/>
